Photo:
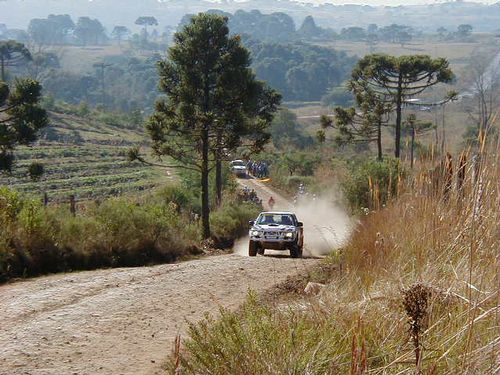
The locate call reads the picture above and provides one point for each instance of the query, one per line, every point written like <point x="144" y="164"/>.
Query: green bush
<point x="182" y="198"/>
<point x="36" y="240"/>
<point x="231" y="220"/>
<point x="293" y="182"/>
<point x="367" y="176"/>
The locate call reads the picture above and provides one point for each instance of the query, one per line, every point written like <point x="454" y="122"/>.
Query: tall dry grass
<point x="418" y="292"/>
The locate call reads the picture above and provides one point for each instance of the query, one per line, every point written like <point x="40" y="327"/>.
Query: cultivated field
<point x="81" y="59"/>
<point x="85" y="158"/>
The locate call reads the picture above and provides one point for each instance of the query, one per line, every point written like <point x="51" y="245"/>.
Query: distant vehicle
<point x="276" y="231"/>
<point x="239" y="168"/>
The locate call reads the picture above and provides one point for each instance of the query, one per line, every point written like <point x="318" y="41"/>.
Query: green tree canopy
<point x="146" y="21"/>
<point x="21" y="117"/>
<point x="308" y="29"/>
<point x="396" y="79"/>
<point x="362" y="123"/>
<point x="213" y="100"/>
<point x="119" y="32"/>
<point x="464" y="30"/>
<point x="287" y="133"/>
<point x="90" y="31"/>
<point x="54" y="29"/>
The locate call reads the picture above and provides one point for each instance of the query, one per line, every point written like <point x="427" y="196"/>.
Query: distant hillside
<point x="86" y="158"/>
<point x="169" y="12"/>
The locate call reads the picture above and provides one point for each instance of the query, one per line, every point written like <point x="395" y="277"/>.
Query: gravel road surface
<point x="122" y="321"/>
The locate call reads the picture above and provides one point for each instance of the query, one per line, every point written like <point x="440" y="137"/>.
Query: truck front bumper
<point x="278" y="244"/>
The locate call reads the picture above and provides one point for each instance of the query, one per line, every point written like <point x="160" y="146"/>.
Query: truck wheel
<point x="252" y="249"/>
<point x="300" y="251"/>
<point x="294" y="251"/>
<point x="260" y="250"/>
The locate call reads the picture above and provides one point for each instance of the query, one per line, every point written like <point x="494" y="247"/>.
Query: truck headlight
<point x="254" y="233"/>
<point x="289" y="235"/>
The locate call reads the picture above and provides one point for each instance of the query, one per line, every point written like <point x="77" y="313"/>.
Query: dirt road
<point x="123" y="321"/>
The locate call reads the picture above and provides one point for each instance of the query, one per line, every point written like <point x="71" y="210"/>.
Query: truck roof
<point x="277" y="213"/>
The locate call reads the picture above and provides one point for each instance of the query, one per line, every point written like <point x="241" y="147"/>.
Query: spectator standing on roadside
<point x="271" y="203"/>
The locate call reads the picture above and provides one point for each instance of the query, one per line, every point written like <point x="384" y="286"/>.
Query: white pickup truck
<point x="276" y="231"/>
<point x="239" y="168"/>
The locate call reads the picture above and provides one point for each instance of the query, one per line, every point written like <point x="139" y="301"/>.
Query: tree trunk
<point x="218" y="179"/>
<point x="399" y="103"/>
<point x="379" y="141"/>
<point x="205" y="204"/>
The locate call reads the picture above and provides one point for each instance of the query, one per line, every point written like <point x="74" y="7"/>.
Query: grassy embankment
<point x="418" y="279"/>
<point x="119" y="232"/>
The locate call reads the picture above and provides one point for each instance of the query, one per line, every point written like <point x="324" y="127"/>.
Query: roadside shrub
<point x="6" y="254"/>
<point x="370" y="183"/>
<point x="293" y="182"/>
<point x="180" y="197"/>
<point x="302" y="163"/>
<point x="231" y="220"/>
<point x="160" y="228"/>
<point x="35" y="240"/>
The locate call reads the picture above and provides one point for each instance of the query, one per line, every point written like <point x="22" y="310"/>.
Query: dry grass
<point x="80" y="59"/>
<point x="418" y="292"/>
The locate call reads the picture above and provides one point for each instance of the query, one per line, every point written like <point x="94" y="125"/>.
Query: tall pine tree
<point x="213" y="101"/>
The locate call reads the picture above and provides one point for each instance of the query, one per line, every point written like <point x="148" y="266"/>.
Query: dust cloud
<point x="241" y="246"/>
<point x="326" y="225"/>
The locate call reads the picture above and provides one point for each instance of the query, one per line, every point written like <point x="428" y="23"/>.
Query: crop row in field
<point x="76" y="170"/>
<point x="95" y="181"/>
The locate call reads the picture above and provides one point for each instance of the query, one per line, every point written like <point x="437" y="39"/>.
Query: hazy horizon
<point x="18" y="13"/>
<point x="377" y="2"/>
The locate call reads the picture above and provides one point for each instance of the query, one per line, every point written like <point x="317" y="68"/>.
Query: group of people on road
<point x="258" y="169"/>
<point x="247" y="195"/>
<point x="250" y="195"/>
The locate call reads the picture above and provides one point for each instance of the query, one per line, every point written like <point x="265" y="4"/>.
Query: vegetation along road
<point x="124" y="321"/>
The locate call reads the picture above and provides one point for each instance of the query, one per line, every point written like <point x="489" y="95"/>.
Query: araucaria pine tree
<point x="396" y="79"/>
<point x="213" y="102"/>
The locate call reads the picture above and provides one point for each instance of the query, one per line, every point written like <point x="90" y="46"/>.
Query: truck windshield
<point x="238" y="164"/>
<point x="277" y="219"/>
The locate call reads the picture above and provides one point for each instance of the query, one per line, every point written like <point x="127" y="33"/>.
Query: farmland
<point x="85" y="158"/>
<point x="458" y="53"/>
